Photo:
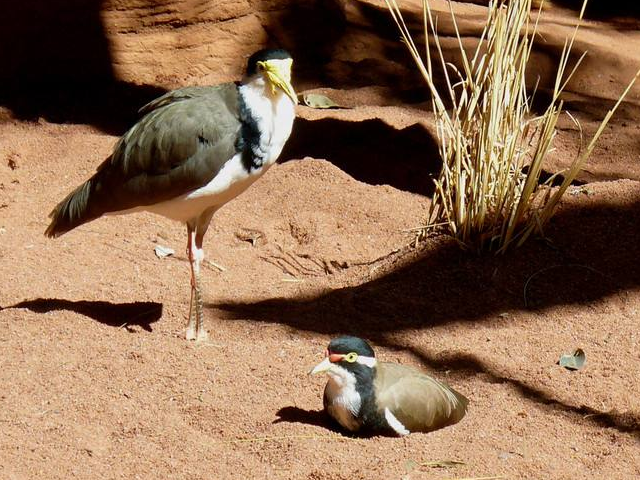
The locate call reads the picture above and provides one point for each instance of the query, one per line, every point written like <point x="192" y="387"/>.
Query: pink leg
<point x="191" y="324"/>
<point x="195" y="325"/>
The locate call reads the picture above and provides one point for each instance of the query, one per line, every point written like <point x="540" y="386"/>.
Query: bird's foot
<point x="202" y="336"/>
<point x="190" y="333"/>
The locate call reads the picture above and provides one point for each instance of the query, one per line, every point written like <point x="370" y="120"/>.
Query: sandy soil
<point x="96" y="380"/>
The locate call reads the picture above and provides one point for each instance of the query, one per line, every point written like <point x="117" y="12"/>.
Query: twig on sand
<point x="216" y="265"/>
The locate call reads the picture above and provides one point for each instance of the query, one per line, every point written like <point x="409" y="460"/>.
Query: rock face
<point x="142" y="41"/>
<point x="53" y="50"/>
<point x="174" y="42"/>
<point x="169" y="43"/>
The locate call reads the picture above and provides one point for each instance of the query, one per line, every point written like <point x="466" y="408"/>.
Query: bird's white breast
<point x="343" y="401"/>
<point x="274" y="115"/>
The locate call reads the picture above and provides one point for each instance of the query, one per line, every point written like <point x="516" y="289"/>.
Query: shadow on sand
<point x="125" y="315"/>
<point x="371" y="151"/>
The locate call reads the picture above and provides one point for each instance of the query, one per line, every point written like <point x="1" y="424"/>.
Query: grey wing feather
<point x="176" y="96"/>
<point x="183" y="140"/>
<point x="418" y="401"/>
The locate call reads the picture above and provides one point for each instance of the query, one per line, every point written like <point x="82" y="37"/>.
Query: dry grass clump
<point x="484" y="196"/>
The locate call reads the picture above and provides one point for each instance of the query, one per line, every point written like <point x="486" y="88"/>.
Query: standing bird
<point x="379" y="397"/>
<point x="193" y="150"/>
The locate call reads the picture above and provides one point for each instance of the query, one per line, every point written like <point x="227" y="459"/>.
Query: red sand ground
<point x="96" y="380"/>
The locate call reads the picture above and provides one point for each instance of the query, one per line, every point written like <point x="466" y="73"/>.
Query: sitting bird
<point x="363" y="394"/>
<point x="193" y="150"/>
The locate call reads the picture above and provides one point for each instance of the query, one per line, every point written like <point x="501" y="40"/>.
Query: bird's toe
<point x="202" y="336"/>
<point x="190" y="333"/>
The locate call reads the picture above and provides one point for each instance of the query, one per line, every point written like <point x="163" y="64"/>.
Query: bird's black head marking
<point x="263" y="56"/>
<point x="346" y="345"/>
<point x="350" y="353"/>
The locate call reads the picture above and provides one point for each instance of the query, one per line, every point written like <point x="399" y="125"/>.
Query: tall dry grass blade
<point x="483" y="195"/>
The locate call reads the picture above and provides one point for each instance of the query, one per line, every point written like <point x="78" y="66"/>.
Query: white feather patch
<point x="344" y="401"/>
<point x="368" y="361"/>
<point x="230" y="182"/>
<point x="394" y="423"/>
<point x="274" y="115"/>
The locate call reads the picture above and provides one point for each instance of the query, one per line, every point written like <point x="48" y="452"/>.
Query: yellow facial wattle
<point x="278" y="72"/>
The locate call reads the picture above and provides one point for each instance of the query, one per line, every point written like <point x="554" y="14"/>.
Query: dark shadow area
<point x="110" y="106"/>
<point x="317" y="418"/>
<point x="555" y="179"/>
<point x="371" y="151"/>
<point x="309" y="31"/>
<point x="45" y="40"/>
<point x="604" y="9"/>
<point x="399" y="69"/>
<point x="142" y="314"/>
<point x="596" y="9"/>
<point x="596" y="108"/>
<point x="469" y="365"/>
<point x="56" y="64"/>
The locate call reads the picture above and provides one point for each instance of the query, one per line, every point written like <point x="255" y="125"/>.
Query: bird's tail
<point x="71" y="212"/>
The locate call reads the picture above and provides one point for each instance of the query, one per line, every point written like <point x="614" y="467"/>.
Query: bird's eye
<point x="351" y="357"/>
<point x="260" y="66"/>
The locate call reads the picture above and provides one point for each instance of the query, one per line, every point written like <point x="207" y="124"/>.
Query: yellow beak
<point x="278" y="73"/>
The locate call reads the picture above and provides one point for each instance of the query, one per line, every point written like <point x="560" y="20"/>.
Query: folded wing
<point x="419" y="402"/>
<point x="181" y="142"/>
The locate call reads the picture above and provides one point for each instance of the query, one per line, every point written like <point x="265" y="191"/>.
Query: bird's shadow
<point x="319" y="418"/>
<point x="126" y="315"/>
<point x="316" y="418"/>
